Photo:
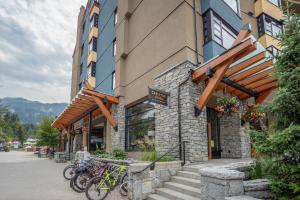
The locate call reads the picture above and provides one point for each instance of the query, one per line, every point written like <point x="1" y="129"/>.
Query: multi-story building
<point x="127" y="49"/>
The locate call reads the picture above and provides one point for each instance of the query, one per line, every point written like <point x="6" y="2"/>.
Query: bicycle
<point x="80" y="180"/>
<point x="99" y="187"/>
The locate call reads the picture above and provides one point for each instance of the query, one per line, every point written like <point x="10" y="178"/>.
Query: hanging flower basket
<point x="226" y="106"/>
<point x="253" y="114"/>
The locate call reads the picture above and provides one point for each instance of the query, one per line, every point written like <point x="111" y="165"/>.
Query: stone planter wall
<point x="219" y="183"/>
<point x="145" y="183"/>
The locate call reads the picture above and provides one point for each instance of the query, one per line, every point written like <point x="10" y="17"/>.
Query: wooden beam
<point x="105" y="112"/>
<point x="222" y="59"/>
<point x="211" y="86"/>
<point x="262" y="96"/>
<point x="110" y="98"/>
<point x="251" y="71"/>
<point x="266" y="86"/>
<point x="256" y="77"/>
<point x="262" y="82"/>
<point x="245" y="64"/>
<point x="245" y="32"/>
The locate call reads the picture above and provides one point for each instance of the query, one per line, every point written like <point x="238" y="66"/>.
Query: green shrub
<point x="280" y="152"/>
<point x="119" y="154"/>
<point x="153" y="156"/>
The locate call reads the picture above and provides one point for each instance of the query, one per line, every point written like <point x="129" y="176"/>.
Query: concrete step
<point x="156" y="197"/>
<point x="172" y="194"/>
<point x="192" y="191"/>
<point x="188" y="174"/>
<point x="191" y="169"/>
<point x="186" y="181"/>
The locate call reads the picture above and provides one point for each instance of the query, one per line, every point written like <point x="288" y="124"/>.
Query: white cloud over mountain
<point x="37" y="39"/>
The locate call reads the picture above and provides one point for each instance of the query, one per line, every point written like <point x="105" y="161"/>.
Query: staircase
<point x="184" y="186"/>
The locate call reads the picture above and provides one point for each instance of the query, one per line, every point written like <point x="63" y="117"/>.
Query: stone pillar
<point x="193" y="129"/>
<point x="235" y="141"/>
<point x="118" y="136"/>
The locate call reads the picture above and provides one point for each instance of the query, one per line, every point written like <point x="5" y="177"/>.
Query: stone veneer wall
<point x="118" y="136"/>
<point x="194" y="129"/>
<point x="235" y="142"/>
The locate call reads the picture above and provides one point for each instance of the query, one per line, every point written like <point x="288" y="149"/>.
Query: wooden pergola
<point x="245" y="70"/>
<point x="84" y="101"/>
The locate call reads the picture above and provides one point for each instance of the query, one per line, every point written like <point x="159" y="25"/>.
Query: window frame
<point x="278" y="3"/>
<point x="271" y="49"/>
<point x="94" y="22"/>
<point x="263" y="21"/>
<point x="91" y="70"/>
<point x="114" y="49"/>
<point x="238" y="9"/>
<point x="116" y="16"/>
<point x="113" y="85"/>
<point x="93" y="45"/>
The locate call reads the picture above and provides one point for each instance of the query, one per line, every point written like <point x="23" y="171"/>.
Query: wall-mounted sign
<point x="158" y="96"/>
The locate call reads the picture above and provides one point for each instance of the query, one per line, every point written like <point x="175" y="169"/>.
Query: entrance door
<point x="214" y="133"/>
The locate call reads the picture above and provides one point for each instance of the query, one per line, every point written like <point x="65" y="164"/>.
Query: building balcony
<point x="93" y="33"/>
<point x="267" y="40"/>
<point x="92" y="57"/>
<point x="94" y="9"/>
<point x="265" y="6"/>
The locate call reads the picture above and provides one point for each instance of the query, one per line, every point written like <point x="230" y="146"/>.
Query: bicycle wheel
<point x="69" y="172"/>
<point x="73" y="186"/>
<point x="80" y="181"/>
<point x="96" y="189"/>
<point x="124" y="185"/>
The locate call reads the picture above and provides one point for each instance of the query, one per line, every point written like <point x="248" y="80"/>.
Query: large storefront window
<point x="140" y="127"/>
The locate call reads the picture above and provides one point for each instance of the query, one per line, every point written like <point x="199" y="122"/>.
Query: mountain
<point x="31" y="112"/>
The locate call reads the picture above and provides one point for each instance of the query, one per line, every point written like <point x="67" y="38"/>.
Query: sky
<point x="37" y="39"/>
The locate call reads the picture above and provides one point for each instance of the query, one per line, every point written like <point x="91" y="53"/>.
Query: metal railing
<point x="181" y="152"/>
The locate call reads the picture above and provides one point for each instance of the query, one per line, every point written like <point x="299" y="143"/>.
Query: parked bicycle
<point x="99" y="187"/>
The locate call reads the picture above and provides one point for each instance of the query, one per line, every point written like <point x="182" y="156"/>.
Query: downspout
<point x="179" y="114"/>
<point x="196" y="33"/>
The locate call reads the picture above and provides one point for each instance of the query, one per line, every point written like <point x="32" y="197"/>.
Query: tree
<point x="286" y="104"/>
<point x="281" y="145"/>
<point x="47" y="135"/>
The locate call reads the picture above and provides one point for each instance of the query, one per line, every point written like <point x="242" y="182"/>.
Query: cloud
<point x="37" y="39"/>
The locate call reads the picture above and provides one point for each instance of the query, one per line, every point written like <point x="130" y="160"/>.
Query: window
<point x="140" y="127"/>
<point x="94" y="21"/>
<point x="116" y="16"/>
<point x="222" y="34"/>
<point x="93" y="44"/>
<point x="114" y="47"/>
<point x="273" y="50"/>
<point x="113" y="80"/>
<point x="275" y="2"/>
<point x="218" y="30"/>
<point x="80" y="86"/>
<point x="80" y="69"/>
<point x="268" y="25"/>
<point x="233" y="4"/>
<point x="91" y="72"/>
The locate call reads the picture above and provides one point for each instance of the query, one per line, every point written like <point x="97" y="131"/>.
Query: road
<point x="23" y="176"/>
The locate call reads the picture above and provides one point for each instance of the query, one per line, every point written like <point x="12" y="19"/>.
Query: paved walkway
<point x="23" y="176"/>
